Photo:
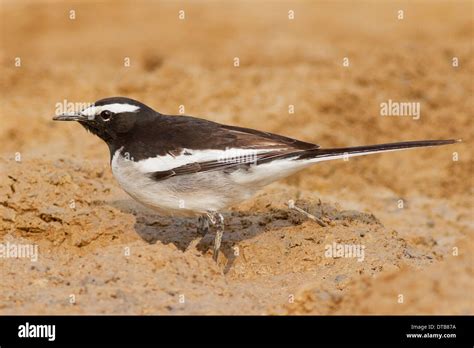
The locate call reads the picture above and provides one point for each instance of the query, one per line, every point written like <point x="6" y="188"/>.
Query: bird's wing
<point x="252" y="137"/>
<point x="188" y="145"/>
<point x="225" y="164"/>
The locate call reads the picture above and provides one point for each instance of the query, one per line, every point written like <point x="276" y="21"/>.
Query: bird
<point x="187" y="166"/>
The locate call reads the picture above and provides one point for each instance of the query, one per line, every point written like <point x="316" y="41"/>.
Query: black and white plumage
<point x="189" y="166"/>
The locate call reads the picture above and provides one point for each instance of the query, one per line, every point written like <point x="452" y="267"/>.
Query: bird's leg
<point x="219" y="233"/>
<point x="203" y="225"/>
<point x="218" y="221"/>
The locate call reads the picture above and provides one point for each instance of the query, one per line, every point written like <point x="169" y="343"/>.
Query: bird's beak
<point x="70" y="117"/>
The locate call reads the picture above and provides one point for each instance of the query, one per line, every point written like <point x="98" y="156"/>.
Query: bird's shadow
<point x="182" y="232"/>
<point x="239" y="226"/>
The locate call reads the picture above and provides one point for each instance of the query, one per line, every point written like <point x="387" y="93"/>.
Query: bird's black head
<point x="111" y="118"/>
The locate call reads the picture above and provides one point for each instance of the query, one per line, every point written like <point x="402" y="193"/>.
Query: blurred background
<point x="172" y="53"/>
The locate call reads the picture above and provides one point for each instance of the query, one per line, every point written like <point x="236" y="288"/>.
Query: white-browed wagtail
<point x="190" y="166"/>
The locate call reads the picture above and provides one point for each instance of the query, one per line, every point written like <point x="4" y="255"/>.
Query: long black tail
<point x="344" y="152"/>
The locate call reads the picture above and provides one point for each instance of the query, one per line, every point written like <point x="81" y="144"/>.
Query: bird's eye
<point x="105" y="115"/>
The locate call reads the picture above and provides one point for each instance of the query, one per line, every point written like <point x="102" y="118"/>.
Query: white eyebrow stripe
<point x="115" y="108"/>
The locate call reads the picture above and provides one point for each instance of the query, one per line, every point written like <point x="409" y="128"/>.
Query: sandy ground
<point x="100" y="252"/>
